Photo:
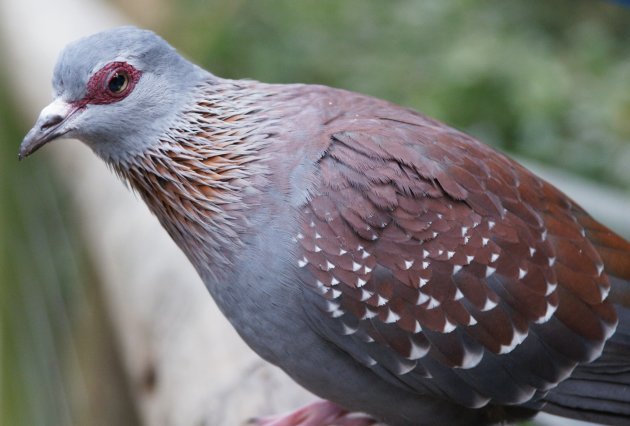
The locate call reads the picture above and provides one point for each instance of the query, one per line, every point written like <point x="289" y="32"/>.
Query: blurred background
<point x="546" y="80"/>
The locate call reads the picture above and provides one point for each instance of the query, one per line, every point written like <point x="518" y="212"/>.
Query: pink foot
<point x="319" y="413"/>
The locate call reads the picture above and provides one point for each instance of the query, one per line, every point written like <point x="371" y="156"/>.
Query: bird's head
<point x="117" y="91"/>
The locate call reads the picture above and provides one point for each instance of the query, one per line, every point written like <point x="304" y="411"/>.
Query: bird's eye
<point x="118" y="82"/>
<point x="112" y="83"/>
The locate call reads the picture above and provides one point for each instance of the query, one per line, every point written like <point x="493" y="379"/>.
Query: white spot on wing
<point x="348" y="330"/>
<point x="329" y="266"/>
<point x="507" y="348"/>
<point x="448" y="327"/>
<point x="490" y="270"/>
<point x="369" y="314"/>
<point x="381" y="301"/>
<point x="458" y="295"/>
<point x="361" y="282"/>
<point x="532" y="251"/>
<point x="337" y="314"/>
<point x="331" y="306"/>
<point x="422" y="298"/>
<point x="604" y="290"/>
<point x="472" y="321"/>
<point x="470" y="258"/>
<point x="490" y="304"/>
<point x="491" y="224"/>
<point x="365" y="295"/>
<point x="317" y="249"/>
<point x="342" y="252"/>
<point x="335" y="293"/>
<point x="464" y="230"/>
<point x="485" y="241"/>
<point x="471" y="358"/>
<point x="550" y="288"/>
<point x="416" y="351"/>
<point x="425" y="253"/>
<point x="433" y="303"/>
<point x="334" y="281"/>
<point x="609" y="330"/>
<point x="391" y="317"/>
<point x="300" y="236"/>
<point x="367" y="269"/>
<point x="450" y="254"/>
<point x="356" y="266"/>
<point x="365" y="255"/>
<point x="494" y="257"/>
<point x="422" y="282"/>
<point x="303" y="262"/>
<point x="552" y="261"/>
<point x="600" y="269"/>
<point x="317" y="236"/>
<point x="367" y="338"/>
<point x="408" y="264"/>
<point x="517" y="339"/>
<point x="418" y="327"/>
<point x="551" y="309"/>
<point x="425" y="264"/>
<point x="456" y="269"/>
<point x="404" y="367"/>
<point x="369" y="361"/>
<point x="521" y="273"/>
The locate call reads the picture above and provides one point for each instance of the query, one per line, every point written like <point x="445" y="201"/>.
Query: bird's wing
<point x="445" y="267"/>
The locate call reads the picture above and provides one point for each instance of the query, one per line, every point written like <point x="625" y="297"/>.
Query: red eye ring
<point x="112" y="83"/>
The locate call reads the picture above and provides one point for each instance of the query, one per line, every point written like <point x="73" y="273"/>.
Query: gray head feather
<point x="118" y="130"/>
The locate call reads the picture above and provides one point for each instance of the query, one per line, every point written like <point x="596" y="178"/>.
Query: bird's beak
<point x="51" y="124"/>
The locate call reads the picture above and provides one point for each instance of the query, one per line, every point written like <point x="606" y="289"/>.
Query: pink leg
<point x="319" y="413"/>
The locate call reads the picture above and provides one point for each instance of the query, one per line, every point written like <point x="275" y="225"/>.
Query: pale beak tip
<point x="22" y="154"/>
<point x="49" y="126"/>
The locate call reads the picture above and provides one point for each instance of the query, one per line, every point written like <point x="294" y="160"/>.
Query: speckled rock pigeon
<point x="388" y="263"/>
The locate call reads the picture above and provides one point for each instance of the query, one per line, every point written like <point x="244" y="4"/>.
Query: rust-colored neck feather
<point x="206" y="170"/>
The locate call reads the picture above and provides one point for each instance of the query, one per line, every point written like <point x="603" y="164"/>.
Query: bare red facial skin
<point x="98" y="92"/>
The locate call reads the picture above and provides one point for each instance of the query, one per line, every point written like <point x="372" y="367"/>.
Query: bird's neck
<point x="207" y="173"/>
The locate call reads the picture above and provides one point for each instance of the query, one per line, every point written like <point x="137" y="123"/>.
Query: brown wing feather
<point x="443" y="265"/>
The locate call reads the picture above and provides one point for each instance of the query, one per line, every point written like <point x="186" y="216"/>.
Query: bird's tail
<point x="600" y="391"/>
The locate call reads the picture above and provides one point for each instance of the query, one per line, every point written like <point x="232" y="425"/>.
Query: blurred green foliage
<point x="57" y="363"/>
<point x="547" y="79"/>
<point x="33" y="286"/>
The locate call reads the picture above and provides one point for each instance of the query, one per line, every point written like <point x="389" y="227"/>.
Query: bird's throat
<point x="202" y="179"/>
